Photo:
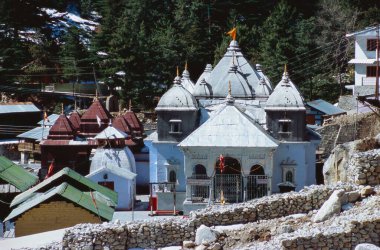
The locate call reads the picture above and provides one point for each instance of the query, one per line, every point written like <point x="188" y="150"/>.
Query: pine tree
<point x="278" y="40"/>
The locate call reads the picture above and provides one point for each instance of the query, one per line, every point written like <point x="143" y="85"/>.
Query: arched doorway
<point x="200" y="191"/>
<point x="229" y="181"/>
<point x="257" y="183"/>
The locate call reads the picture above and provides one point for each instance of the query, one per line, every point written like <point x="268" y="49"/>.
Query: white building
<point x="233" y="114"/>
<point x="114" y="166"/>
<point x="364" y="61"/>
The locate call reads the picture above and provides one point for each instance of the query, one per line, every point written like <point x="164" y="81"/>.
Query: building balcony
<point x="29" y="147"/>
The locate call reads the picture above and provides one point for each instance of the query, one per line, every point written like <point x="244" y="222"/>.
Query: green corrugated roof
<point x="16" y="175"/>
<point x="73" y="178"/>
<point x="65" y="192"/>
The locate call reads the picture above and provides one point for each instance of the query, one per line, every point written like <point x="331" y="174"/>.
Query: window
<point x="284" y="125"/>
<point x="172" y="176"/>
<point x="371" y="45"/>
<point x="107" y="184"/>
<point x="289" y="176"/>
<point x="175" y="126"/>
<point x="371" y="71"/>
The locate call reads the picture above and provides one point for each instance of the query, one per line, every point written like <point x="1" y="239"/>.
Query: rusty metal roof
<point x="62" y="129"/>
<point x="134" y="122"/>
<point x="121" y="124"/>
<point x="96" y="109"/>
<point x="74" y="118"/>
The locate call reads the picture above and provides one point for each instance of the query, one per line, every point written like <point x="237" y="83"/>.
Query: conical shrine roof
<point x="62" y="129"/>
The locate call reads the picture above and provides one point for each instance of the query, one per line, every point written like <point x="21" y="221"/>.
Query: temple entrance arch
<point x="257" y="183"/>
<point x="229" y="180"/>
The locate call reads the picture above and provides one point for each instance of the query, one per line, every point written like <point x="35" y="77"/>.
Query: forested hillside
<point x="66" y="40"/>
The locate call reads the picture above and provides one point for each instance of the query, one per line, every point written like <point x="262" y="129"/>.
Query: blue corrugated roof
<point x="325" y="107"/>
<point x="18" y="108"/>
<point x="35" y="134"/>
<point x="51" y="120"/>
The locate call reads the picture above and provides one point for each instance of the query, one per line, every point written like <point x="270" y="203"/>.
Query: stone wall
<point x="347" y="128"/>
<point x="347" y="164"/>
<point x="364" y="168"/>
<point x="154" y="234"/>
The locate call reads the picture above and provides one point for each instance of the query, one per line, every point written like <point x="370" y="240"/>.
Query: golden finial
<point x="186" y="65"/>
<point x="229" y="87"/>
<point x="61" y="108"/>
<point x="130" y="104"/>
<point x="177" y="71"/>
<point x="285" y="68"/>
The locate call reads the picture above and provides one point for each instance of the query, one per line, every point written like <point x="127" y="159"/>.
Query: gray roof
<point x="229" y="127"/>
<point x="325" y="107"/>
<point x="111" y="133"/>
<point x="262" y="75"/>
<point x="202" y="89"/>
<point x="240" y="88"/>
<point x="263" y="89"/>
<point x="186" y="82"/>
<point x="285" y="96"/>
<point x="113" y="157"/>
<point x="51" y="120"/>
<point x="122" y="172"/>
<point x="219" y="72"/>
<point x="370" y="30"/>
<point x="177" y="98"/>
<point x="205" y="75"/>
<point x="35" y="134"/>
<point x="18" y="108"/>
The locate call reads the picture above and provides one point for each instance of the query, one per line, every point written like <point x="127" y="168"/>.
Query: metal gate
<point x="257" y="186"/>
<point x="200" y="192"/>
<point x="231" y="184"/>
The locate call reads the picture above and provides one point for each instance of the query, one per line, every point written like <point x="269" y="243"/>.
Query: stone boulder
<point x="366" y="191"/>
<point x="188" y="244"/>
<point x="366" y="246"/>
<point x="330" y="207"/>
<point x="205" y="234"/>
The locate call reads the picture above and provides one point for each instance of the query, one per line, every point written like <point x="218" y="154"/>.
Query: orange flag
<point x="232" y="33"/>
<point x="50" y="170"/>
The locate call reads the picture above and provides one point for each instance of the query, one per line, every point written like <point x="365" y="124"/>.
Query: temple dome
<point x="113" y="157"/>
<point x="202" y="89"/>
<point x="205" y="75"/>
<point x="263" y="89"/>
<point x="177" y="98"/>
<point x="240" y="87"/>
<point x="285" y="96"/>
<point x="186" y="81"/>
<point x="243" y="66"/>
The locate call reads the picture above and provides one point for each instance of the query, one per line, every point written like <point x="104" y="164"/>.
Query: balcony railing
<point x="368" y="81"/>
<point x="29" y="147"/>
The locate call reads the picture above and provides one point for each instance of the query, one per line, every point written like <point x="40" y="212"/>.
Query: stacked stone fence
<point x="367" y="231"/>
<point x="170" y="232"/>
<point x="364" y="168"/>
